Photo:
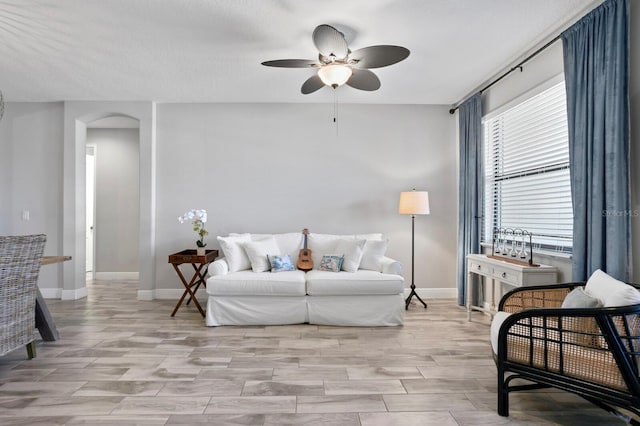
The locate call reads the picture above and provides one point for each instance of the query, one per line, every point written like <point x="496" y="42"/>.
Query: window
<point x="527" y="171"/>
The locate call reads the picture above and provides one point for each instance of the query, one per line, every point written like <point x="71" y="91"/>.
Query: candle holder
<point x="505" y="245"/>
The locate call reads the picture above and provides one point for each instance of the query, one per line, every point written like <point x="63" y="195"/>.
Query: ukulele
<point x="305" y="262"/>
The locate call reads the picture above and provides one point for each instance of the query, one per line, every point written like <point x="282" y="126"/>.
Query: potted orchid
<point x="198" y="218"/>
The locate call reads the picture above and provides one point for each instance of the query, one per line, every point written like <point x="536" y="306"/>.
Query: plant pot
<point x="201" y="251"/>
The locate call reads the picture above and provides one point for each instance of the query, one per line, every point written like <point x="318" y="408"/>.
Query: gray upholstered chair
<point x="20" y="260"/>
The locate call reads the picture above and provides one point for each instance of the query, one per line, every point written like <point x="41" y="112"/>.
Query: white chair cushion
<point x="610" y="291"/>
<point x="249" y="283"/>
<point x="346" y="283"/>
<point x="578" y="298"/>
<point x="234" y="253"/>
<point x="498" y="319"/>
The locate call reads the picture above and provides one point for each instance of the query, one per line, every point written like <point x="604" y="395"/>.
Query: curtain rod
<point x="519" y="66"/>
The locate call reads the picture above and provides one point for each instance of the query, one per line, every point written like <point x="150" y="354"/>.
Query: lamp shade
<point x="334" y="75"/>
<point x="414" y="202"/>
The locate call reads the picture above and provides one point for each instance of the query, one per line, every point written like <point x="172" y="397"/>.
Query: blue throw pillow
<point x="280" y="263"/>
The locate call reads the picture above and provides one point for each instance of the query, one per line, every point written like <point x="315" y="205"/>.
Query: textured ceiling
<point x="211" y="50"/>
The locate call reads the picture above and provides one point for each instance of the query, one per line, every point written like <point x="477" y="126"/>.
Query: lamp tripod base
<point x="413" y="293"/>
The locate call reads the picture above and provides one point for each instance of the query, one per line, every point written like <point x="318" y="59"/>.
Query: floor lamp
<point x="413" y="203"/>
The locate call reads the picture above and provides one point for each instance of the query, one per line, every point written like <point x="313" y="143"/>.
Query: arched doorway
<point x="78" y="115"/>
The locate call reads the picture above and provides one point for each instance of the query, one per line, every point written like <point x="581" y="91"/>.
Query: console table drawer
<point x="479" y="268"/>
<point x="507" y="275"/>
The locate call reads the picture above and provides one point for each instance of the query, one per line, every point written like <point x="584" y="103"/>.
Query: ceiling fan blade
<point x="312" y="84"/>
<point x="378" y="56"/>
<point x="330" y="41"/>
<point x="364" y="80"/>
<point x="290" y="63"/>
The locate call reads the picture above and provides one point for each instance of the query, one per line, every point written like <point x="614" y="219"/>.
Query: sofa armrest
<point x="391" y="266"/>
<point x="218" y="267"/>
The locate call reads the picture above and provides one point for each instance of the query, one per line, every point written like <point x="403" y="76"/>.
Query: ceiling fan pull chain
<point x="335" y="109"/>
<point x="335" y="106"/>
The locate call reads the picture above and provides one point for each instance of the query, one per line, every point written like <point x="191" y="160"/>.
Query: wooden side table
<point x="44" y="321"/>
<point x="200" y="266"/>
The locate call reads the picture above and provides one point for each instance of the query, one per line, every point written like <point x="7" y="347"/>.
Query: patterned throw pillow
<point x="331" y="262"/>
<point x="281" y="263"/>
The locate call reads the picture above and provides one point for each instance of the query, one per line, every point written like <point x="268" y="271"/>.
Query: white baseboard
<point x="117" y="275"/>
<point x="51" y="293"/>
<point x="176" y="293"/>
<point x="434" y="293"/>
<point x="146" y="295"/>
<point x="76" y="294"/>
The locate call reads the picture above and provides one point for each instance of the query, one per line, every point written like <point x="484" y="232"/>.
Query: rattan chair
<point x="589" y="352"/>
<point x="20" y="259"/>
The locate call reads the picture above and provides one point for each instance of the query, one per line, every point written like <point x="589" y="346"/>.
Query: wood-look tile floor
<point x="121" y="361"/>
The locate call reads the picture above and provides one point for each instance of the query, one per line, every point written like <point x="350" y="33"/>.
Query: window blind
<point x="527" y="171"/>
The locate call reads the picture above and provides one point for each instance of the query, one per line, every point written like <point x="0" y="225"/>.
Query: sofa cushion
<point x="234" y="252"/>
<point x="257" y="252"/>
<point x="289" y="243"/>
<point x="251" y="283"/>
<point x="372" y="254"/>
<point x="374" y="236"/>
<point x="352" y="252"/>
<point x="610" y="291"/>
<point x="347" y="283"/>
<point x="320" y="245"/>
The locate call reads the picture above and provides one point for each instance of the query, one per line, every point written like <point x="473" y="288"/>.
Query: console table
<point x="200" y="265"/>
<point x="503" y="272"/>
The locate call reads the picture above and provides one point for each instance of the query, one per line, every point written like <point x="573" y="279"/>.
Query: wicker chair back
<point x="20" y="260"/>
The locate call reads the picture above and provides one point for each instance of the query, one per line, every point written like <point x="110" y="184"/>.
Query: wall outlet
<point x="25" y="215"/>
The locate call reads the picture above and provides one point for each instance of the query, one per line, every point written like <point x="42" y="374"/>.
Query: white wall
<point x="258" y="168"/>
<point x="545" y="66"/>
<point x="31" y="176"/>
<point x="281" y="168"/>
<point x="117" y="199"/>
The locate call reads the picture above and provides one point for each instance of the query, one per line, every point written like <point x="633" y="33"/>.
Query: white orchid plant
<point x="198" y="218"/>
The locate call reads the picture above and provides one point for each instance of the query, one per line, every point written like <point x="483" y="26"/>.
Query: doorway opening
<point x="112" y="199"/>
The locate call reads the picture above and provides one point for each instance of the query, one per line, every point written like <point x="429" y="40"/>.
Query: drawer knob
<point x="504" y="275"/>
<point x="479" y="267"/>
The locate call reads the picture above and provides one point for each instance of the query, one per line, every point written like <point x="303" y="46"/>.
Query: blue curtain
<point x="471" y="186"/>
<point x="596" y="68"/>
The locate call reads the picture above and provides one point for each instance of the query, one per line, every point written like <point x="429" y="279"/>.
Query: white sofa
<point x="242" y="292"/>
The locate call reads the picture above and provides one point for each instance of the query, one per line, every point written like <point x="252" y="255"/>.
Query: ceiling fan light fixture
<point x="335" y="75"/>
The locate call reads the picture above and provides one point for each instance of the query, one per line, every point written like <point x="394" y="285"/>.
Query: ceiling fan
<point x="338" y="65"/>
